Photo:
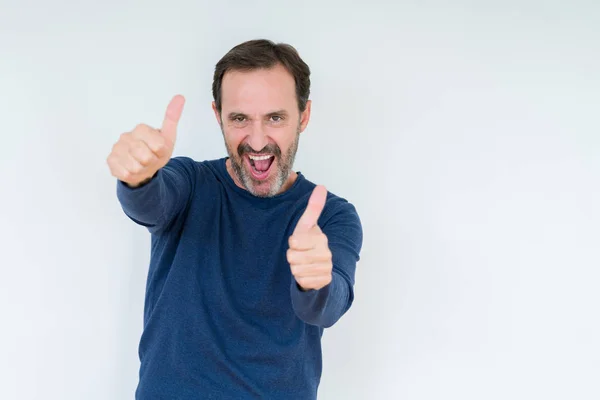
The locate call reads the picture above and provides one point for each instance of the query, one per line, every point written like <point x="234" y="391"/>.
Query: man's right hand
<point x="139" y="154"/>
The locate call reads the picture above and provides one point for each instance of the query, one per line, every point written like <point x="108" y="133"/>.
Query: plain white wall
<point x="467" y="135"/>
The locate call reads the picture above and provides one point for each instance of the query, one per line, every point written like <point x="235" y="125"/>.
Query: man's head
<point x="260" y="92"/>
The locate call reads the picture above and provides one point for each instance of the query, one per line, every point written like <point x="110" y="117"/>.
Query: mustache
<point x="244" y="148"/>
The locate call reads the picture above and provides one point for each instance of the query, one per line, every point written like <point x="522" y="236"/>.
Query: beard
<point x="281" y="167"/>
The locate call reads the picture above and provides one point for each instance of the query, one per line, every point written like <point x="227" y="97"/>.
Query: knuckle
<point x="136" y="168"/>
<point x="327" y="256"/>
<point x="113" y="164"/>
<point x="123" y="138"/>
<point x="161" y="143"/>
<point x="294" y="257"/>
<point x="113" y="159"/>
<point x="141" y="153"/>
<point x="146" y="158"/>
<point x="116" y="147"/>
<point x="126" y="175"/>
<point x="137" y="143"/>
<point x="141" y="128"/>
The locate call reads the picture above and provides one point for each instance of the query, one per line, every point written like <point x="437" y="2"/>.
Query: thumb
<point x="172" y="116"/>
<point x="313" y="211"/>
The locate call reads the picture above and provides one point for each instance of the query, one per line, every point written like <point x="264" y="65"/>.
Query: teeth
<point x="259" y="157"/>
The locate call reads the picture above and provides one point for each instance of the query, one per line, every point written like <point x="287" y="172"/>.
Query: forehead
<point x="258" y="91"/>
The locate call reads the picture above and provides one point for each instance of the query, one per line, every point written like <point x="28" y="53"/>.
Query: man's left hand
<point x="309" y="255"/>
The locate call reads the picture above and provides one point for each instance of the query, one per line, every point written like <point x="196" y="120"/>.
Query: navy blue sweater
<point x="223" y="315"/>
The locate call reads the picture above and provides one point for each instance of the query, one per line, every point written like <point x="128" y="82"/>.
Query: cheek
<point x="233" y="138"/>
<point x="284" y="140"/>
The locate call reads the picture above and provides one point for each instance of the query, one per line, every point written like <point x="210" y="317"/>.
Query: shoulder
<point x="182" y="164"/>
<point x="205" y="170"/>
<point x="340" y="217"/>
<point x="336" y="207"/>
<point x="188" y="163"/>
<point x="341" y="224"/>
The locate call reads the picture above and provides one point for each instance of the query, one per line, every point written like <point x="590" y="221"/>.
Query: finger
<point x="315" y="206"/>
<point x="306" y="241"/>
<point x="142" y="153"/>
<point x="133" y="166"/>
<point x="125" y="168"/>
<point x="172" y="116"/>
<point x="117" y="168"/>
<point x="155" y="142"/>
<point x="310" y="270"/>
<point x="296" y="257"/>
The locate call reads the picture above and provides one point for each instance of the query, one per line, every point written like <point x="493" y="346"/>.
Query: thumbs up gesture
<point x="309" y="255"/>
<point x="139" y="154"/>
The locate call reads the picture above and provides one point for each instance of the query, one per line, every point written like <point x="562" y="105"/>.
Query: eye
<point x="277" y="118"/>
<point x="239" y="119"/>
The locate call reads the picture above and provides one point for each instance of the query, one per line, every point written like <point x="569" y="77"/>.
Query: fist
<point x="309" y="255"/>
<point x="139" y="154"/>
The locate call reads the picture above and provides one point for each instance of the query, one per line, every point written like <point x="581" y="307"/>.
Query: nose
<point x="257" y="138"/>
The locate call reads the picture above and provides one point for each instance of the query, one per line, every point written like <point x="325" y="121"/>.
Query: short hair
<point x="263" y="53"/>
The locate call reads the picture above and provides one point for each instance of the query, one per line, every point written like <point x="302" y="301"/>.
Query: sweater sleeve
<point x="156" y="203"/>
<point x="324" y="307"/>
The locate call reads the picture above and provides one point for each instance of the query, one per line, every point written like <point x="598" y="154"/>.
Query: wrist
<point x="141" y="183"/>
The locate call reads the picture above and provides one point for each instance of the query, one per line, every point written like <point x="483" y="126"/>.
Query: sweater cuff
<point x="122" y="186"/>
<point x="310" y="304"/>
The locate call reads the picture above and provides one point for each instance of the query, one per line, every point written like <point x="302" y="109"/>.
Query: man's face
<point x="261" y="125"/>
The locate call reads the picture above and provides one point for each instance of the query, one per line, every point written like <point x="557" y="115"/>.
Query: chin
<point x="267" y="187"/>
<point x="262" y="174"/>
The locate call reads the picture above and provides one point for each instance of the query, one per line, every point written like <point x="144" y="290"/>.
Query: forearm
<point x="145" y="202"/>
<point x="323" y="307"/>
<point x="157" y="202"/>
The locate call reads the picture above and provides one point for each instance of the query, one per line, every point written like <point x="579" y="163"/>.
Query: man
<point x="250" y="261"/>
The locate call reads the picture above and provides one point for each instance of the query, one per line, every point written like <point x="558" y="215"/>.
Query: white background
<point x="466" y="134"/>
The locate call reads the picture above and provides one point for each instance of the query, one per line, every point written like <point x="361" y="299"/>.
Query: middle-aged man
<point x="250" y="261"/>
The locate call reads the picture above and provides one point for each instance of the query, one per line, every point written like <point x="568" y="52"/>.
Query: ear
<point x="217" y="114"/>
<point x="305" y="116"/>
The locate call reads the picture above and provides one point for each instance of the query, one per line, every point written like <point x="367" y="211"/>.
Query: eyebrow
<point x="235" y="114"/>
<point x="278" y="112"/>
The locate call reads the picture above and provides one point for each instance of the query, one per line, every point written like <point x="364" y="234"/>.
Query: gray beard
<point x="285" y="163"/>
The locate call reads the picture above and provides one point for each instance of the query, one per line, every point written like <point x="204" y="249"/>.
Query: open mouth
<point x="260" y="165"/>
